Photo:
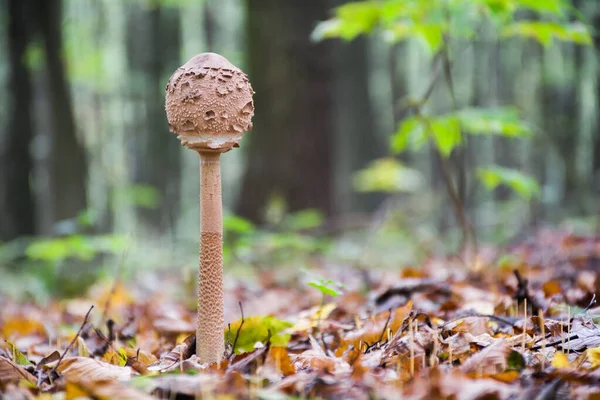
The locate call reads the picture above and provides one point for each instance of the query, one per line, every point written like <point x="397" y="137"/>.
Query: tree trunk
<point x="151" y="29"/>
<point x="68" y="167"/>
<point x="16" y="165"/>
<point x="356" y="139"/>
<point x="289" y="153"/>
<point x="596" y="161"/>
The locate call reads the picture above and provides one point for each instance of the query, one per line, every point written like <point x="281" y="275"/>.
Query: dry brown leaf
<point x="9" y="371"/>
<point x="103" y="389"/>
<point x="82" y="368"/>
<point x="490" y="360"/>
<point x="279" y="357"/>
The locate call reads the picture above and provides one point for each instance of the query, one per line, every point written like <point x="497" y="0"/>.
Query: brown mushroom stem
<point x="210" y="344"/>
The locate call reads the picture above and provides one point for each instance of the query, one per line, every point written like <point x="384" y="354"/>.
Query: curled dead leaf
<point x="83" y="368"/>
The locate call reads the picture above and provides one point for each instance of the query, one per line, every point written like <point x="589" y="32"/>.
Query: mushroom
<point x="209" y="106"/>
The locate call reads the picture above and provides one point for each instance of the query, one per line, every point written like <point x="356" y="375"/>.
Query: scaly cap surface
<point x="209" y="103"/>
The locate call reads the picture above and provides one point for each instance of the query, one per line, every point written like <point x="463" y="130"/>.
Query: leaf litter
<point x="518" y="322"/>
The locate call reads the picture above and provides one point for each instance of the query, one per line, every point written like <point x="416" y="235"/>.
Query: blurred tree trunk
<point x="596" y="153"/>
<point x="356" y="135"/>
<point x="16" y="164"/>
<point x="289" y="153"/>
<point x="153" y="54"/>
<point x="209" y="23"/>
<point x="68" y="166"/>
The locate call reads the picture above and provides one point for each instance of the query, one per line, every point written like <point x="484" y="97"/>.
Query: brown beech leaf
<point x="279" y="357"/>
<point x="489" y="360"/>
<point x="103" y="389"/>
<point x="10" y="372"/>
<point x="83" y="368"/>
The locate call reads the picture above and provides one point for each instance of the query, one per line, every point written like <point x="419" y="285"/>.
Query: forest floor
<point x="514" y="322"/>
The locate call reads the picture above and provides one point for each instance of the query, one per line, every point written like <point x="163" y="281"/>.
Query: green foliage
<point x="445" y="130"/>
<point x="35" y="55"/>
<point x="304" y="219"/>
<point x="76" y="246"/>
<point x="257" y="329"/>
<point x="546" y="32"/>
<point x="327" y="286"/>
<point x="18" y="356"/>
<point x="387" y="175"/>
<point x="433" y="20"/>
<point x="515" y="361"/>
<point x="144" y="196"/>
<point x="492" y="177"/>
<point x="280" y="242"/>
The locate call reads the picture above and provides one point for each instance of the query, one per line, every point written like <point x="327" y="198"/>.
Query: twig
<point x="556" y="342"/>
<point x="237" y="334"/>
<point x="113" y="288"/>
<point x="592" y="302"/>
<point x="72" y="341"/>
<point x="385" y="326"/>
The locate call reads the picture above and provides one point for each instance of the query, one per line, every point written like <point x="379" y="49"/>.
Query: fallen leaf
<point x="490" y="360"/>
<point x="78" y="368"/>
<point x="560" y="360"/>
<point x="10" y="371"/>
<point x="256" y="329"/>
<point x="593" y="356"/>
<point x="103" y="389"/>
<point x="279" y="357"/>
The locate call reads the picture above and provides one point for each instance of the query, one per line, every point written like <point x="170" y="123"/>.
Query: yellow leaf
<point x="143" y="357"/>
<point x="22" y="326"/>
<point x="74" y="392"/>
<point x="593" y="356"/>
<point x="114" y="358"/>
<point x="314" y="319"/>
<point x="560" y="360"/>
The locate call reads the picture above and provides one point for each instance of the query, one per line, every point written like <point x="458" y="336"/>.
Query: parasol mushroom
<point x="209" y="106"/>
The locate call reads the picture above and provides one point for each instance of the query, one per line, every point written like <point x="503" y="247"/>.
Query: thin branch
<point x="72" y="341"/>
<point x="237" y="334"/>
<point x="385" y="326"/>
<point x="113" y="288"/>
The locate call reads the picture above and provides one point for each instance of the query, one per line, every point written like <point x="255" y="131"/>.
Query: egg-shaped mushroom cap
<point x="209" y="103"/>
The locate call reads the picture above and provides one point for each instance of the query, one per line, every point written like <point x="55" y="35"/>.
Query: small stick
<point x="412" y="348"/>
<point x="237" y="334"/>
<point x="450" y="354"/>
<point x="432" y="359"/>
<point x="387" y="322"/>
<point x="181" y="359"/>
<point x="113" y="289"/>
<point x="72" y="341"/>
<point x="568" y="329"/>
<point x="543" y="328"/>
<point x="524" y="324"/>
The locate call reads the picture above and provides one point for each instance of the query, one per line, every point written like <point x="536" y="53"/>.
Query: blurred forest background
<point x="346" y="104"/>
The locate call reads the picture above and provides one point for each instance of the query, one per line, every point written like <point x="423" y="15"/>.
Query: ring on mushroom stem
<point x="209" y="106"/>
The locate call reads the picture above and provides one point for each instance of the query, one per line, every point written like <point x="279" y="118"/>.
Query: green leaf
<point x="410" y="132"/>
<point x="524" y="185"/>
<point x="18" y="357"/>
<point x="140" y="195"/>
<point x="305" y="219"/>
<point x="555" y="7"/>
<point x="493" y="121"/>
<point x="545" y="32"/>
<point x="432" y="35"/>
<point x="235" y="224"/>
<point x="446" y="133"/>
<point x="351" y="20"/>
<point x="256" y="329"/>
<point x="326" y="286"/>
<point x="516" y="361"/>
<point x="387" y="175"/>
